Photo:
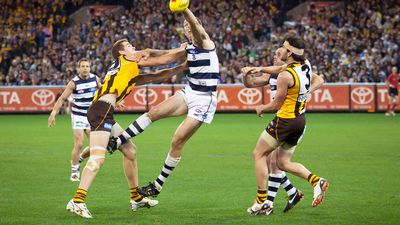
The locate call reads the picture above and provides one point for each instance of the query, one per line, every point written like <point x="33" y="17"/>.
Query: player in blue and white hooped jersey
<point x="198" y="100"/>
<point x="82" y="88"/>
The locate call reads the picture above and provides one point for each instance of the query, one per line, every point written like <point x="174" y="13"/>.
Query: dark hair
<point x="117" y="46"/>
<point x="297" y="43"/>
<point x="82" y="60"/>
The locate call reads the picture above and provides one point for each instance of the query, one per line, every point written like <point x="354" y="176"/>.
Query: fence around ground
<point x="344" y="97"/>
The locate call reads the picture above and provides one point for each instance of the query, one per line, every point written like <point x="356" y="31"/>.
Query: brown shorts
<point x="287" y="130"/>
<point x="100" y="116"/>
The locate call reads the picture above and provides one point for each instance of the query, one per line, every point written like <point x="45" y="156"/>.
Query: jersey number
<point x="306" y="68"/>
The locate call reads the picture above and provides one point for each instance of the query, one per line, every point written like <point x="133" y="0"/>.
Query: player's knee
<point x="154" y="114"/>
<point x="258" y="154"/>
<point x="94" y="163"/>
<point x="282" y="164"/>
<point x="78" y="145"/>
<point x="177" y="142"/>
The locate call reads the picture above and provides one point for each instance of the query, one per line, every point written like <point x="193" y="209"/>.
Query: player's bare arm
<point x="251" y="81"/>
<point x="157" y="52"/>
<point x="284" y="81"/>
<point x="171" y="57"/>
<point x="160" y="75"/>
<point x="316" y="82"/>
<point x="267" y="69"/>
<point x="200" y="36"/>
<point x="60" y="101"/>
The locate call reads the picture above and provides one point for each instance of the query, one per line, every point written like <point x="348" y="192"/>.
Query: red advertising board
<point x="330" y="97"/>
<point x="28" y="99"/>
<point x="238" y="98"/>
<point x="362" y="97"/>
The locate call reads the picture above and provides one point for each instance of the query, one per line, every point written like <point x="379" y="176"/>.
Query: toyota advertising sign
<point x="330" y="97"/>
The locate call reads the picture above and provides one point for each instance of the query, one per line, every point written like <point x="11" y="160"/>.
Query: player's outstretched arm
<point x="160" y="75"/>
<point x="60" y="101"/>
<point x="157" y="52"/>
<point x="173" y="56"/>
<point x="199" y="33"/>
<point x="250" y="81"/>
<point x="267" y="69"/>
<point x="316" y="82"/>
<point x="283" y="82"/>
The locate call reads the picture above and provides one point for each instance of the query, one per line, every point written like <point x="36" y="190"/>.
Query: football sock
<point x="75" y="168"/>
<point x="388" y="108"/>
<point x="135" y="196"/>
<point x="261" y="196"/>
<point x="313" y="179"/>
<point x="274" y="181"/>
<point x="80" y="196"/>
<point x="134" y="129"/>
<point x="287" y="185"/>
<point x="169" y="166"/>
<point x="81" y="159"/>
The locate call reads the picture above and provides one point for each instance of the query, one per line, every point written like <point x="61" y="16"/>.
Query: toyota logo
<point x="362" y="95"/>
<point x="140" y="96"/>
<point x="43" y="97"/>
<point x="249" y="96"/>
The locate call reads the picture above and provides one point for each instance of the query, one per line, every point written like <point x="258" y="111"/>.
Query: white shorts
<point x="201" y="105"/>
<point x="79" y="122"/>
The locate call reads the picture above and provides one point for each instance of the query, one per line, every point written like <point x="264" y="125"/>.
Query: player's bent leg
<point x="171" y="107"/>
<point x="320" y="185"/>
<point x="182" y="134"/>
<point x="285" y="153"/>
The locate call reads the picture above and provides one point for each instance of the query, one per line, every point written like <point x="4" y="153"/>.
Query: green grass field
<point x="215" y="182"/>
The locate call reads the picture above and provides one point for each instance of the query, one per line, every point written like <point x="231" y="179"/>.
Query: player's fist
<point x="178" y="5"/>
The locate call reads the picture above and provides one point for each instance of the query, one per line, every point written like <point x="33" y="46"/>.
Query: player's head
<point x="122" y="47"/>
<point x="280" y="56"/>
<point x="187" y="30"/>
<point x="294" y="48"/>
<point x="394" y="69"/>
<point x="83" y="67"/>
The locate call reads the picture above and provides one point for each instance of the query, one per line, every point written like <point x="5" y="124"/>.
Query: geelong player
<point x="276" y="177"/>
<point x="287" y="128"/>
<point x="82" y="87"/>
<point x="393" y="95"/>
<point x="121" y="77"/>
<point x="198" y="100"/>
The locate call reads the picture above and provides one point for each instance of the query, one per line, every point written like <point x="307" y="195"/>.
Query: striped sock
<point x="135" y="196"/>
<point x="274" y="181"/>
<point x="75" y="168"/>
<point x="261" y="196"/>
<point x="169" y="166"/>
<point x="81" y="159"/>
<point x="287" y="185"/>
<point x="134" y="129"/>
<point x="313" y="179"/>
<point x="80" y="196"/>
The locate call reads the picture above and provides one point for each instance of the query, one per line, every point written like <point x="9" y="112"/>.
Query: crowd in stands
<point x="41" y="45"/>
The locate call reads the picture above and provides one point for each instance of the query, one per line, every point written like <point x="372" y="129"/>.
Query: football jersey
<point x="120" y="79"/>
<point x="296" y="97"/>
<point x="203" y="68"/>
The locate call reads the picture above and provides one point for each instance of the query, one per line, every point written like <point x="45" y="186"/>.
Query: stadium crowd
<point x="40" y="45"/>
